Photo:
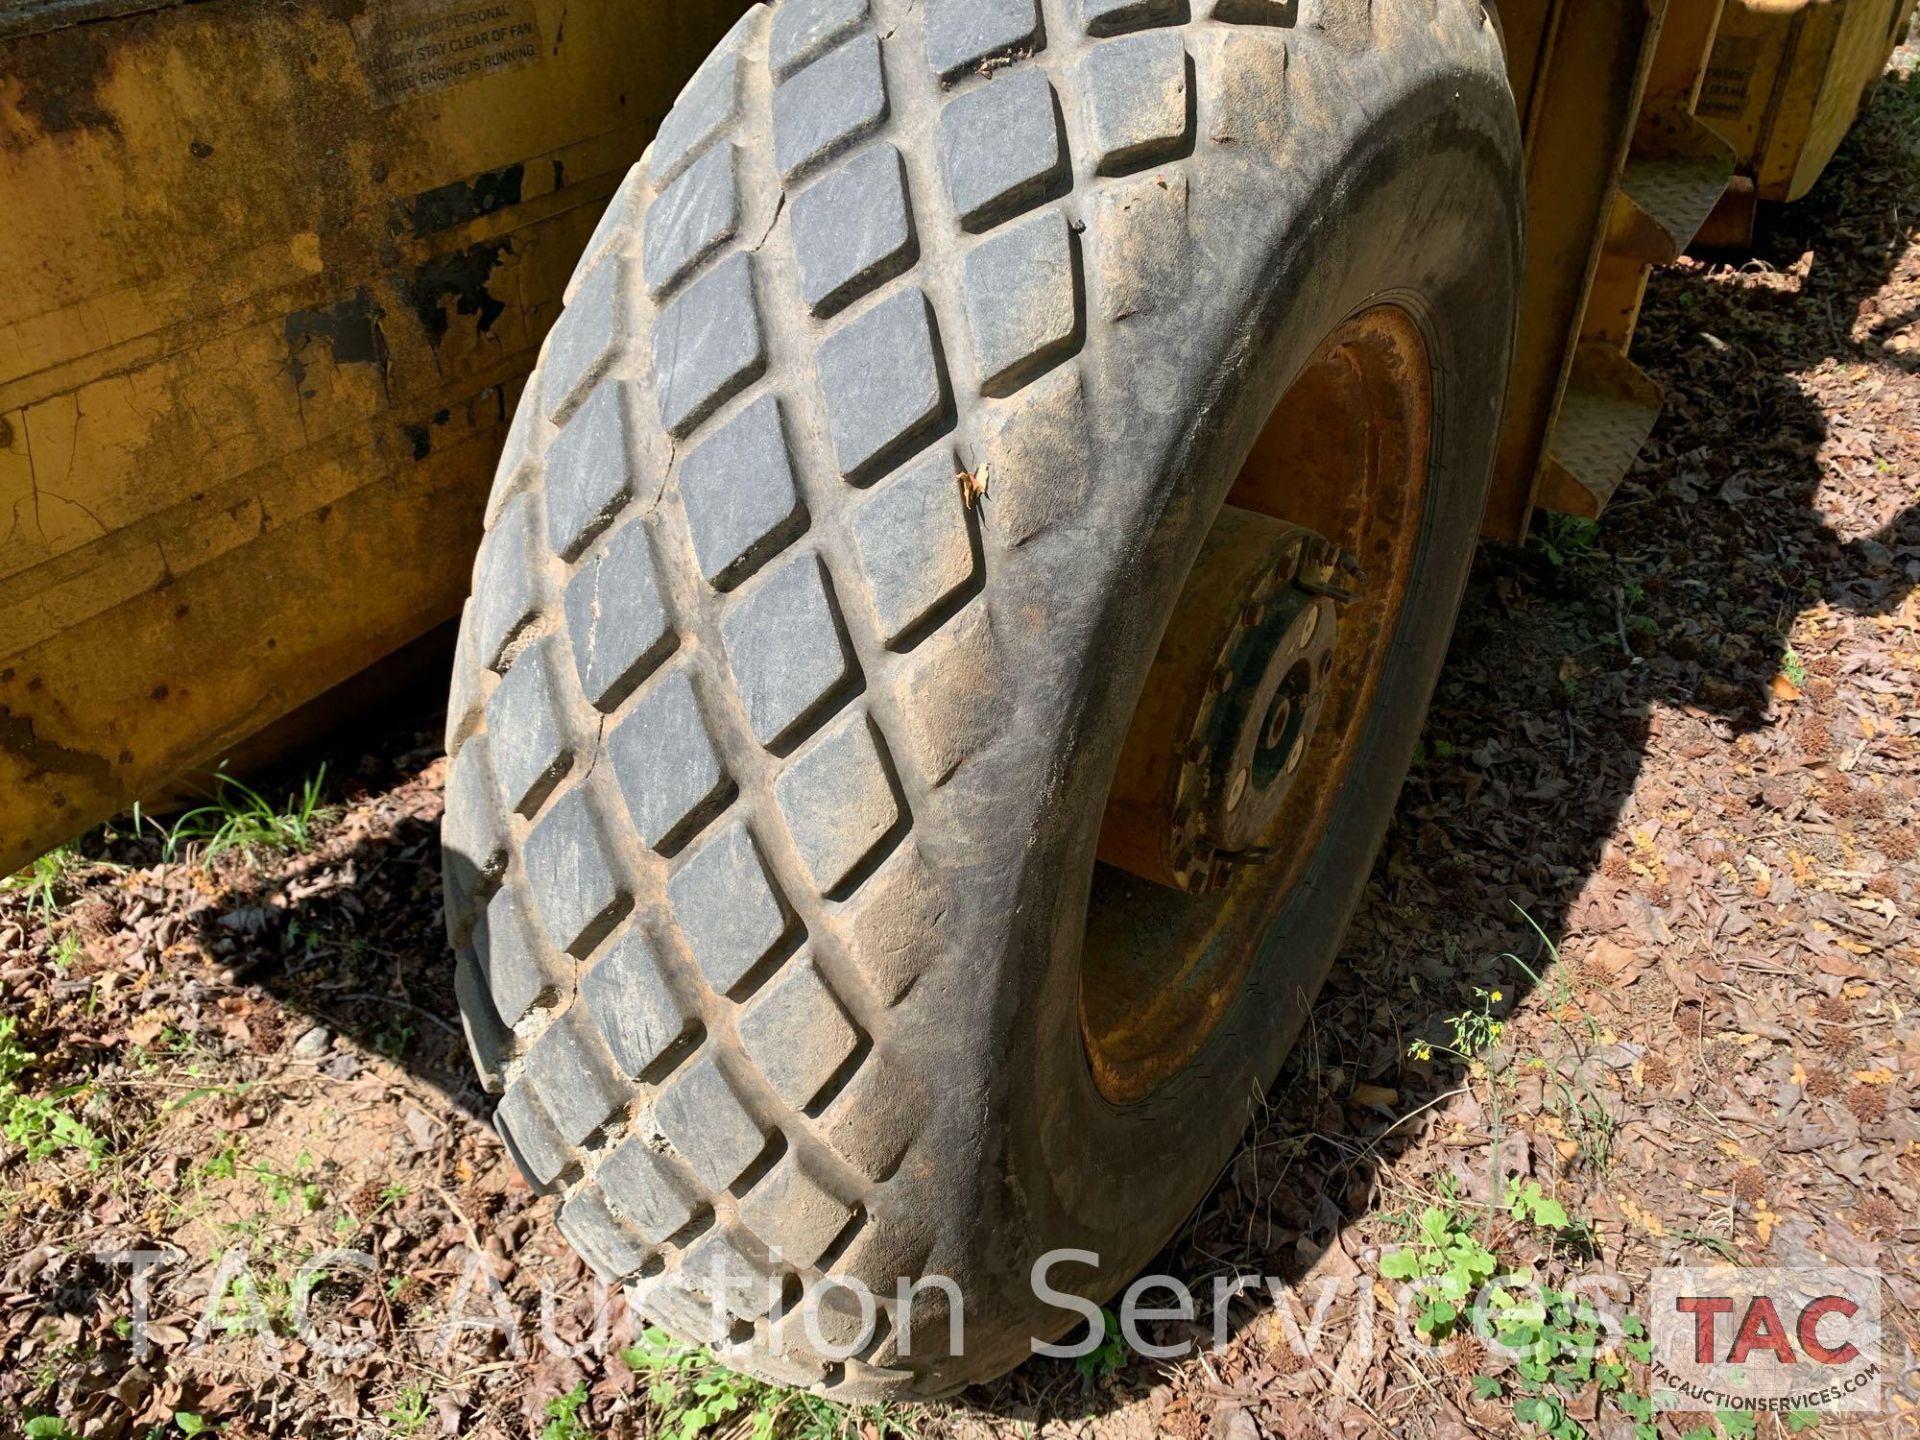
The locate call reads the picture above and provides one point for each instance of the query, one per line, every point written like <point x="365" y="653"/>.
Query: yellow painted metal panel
<point x="1788" y="78"/>
<point x="273" y="276"/>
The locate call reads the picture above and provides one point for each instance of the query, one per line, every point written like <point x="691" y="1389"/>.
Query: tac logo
<point x="1750" y="1339"/>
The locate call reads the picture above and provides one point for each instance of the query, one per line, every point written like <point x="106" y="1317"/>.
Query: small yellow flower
<point x="1497" y="996"/>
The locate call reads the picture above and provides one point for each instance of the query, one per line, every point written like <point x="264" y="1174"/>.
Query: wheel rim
<point x="1238" y="749"/>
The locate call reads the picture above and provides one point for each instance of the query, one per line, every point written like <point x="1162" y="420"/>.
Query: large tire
<point x="778" y="760"/>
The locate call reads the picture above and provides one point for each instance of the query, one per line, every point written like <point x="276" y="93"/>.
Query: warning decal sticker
<point x="411" y="48"/>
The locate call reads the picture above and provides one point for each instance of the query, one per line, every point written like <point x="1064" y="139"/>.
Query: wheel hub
<point x="1240" y="681"/>
<point x="1258" y="731"/>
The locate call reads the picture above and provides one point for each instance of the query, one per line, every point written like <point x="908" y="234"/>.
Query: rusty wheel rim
<point x="1247" y="728"/>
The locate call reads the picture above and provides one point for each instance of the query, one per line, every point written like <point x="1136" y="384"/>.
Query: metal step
<point x="1676" y="174"/>
<point x="1605" y="417"/>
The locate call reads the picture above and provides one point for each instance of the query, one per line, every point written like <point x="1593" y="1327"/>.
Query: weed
<point x="693" y="1392"/>
<point x="41" y="1125"/>
<point x="1107" y="1359"/>
<point x="563" y="1416"/>
<point x="190" y="1424"/>
<point x="809" y="1417"/>
<point x="409" y="1415"/>
<point x="1451" y="1261"/>
<point x="1448" y="1262"/>
<point x="1563" y="1348"/>
<point x="1586" y="1122"/>
<point x="1718" y="1244"/>
<point x="1536" y="1207"/>
<point x="394" y="1038"/>
<point x="282" y="1187"/>
<point x="1474" y="1031"/>
<point x="66" y="950"/>
<point x="42" y="881"/>
<point x="1566" y="537"/>
<point x="47" y="1427"/>
<point x="1793" y="667"/>
<point x="1743" y="1424"/>
<point x="240" y="818"/>
<point x="1561" y="1345"/>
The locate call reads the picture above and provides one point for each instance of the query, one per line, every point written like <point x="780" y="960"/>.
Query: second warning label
<point x="415" y="47"/>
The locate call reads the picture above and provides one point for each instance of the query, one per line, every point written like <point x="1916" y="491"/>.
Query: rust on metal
<point x="1197" y="861"/>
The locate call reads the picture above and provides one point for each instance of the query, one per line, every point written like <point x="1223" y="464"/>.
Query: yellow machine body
<point x="1642" y="134"/>
<point x="1786" y="81"/>
<point x="1621" y="173"/>
<point x="272" y="277"/>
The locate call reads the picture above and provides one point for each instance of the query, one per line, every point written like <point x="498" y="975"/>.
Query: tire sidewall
<point x="1421" y="209"/>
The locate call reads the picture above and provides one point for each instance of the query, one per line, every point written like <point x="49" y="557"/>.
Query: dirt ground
<point x="1684" y="745"/>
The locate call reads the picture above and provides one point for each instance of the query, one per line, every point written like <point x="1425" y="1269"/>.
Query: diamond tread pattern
<point x="730" y="524"/>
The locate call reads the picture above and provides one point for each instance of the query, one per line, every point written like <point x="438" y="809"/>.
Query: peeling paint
<point x="462" y="278"/>
<point x="350" y="327"/>
<point x="447" y="206"/>
<point x="420" y="437"/>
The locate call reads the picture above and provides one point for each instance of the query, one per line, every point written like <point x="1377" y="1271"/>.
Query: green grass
<point x="409" y="1415"/>
<point x="240" y="819"/>
<point x="42" y="881"/>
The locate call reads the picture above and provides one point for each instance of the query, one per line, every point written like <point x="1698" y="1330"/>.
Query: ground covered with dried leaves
<point x="1632" y="985"/>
